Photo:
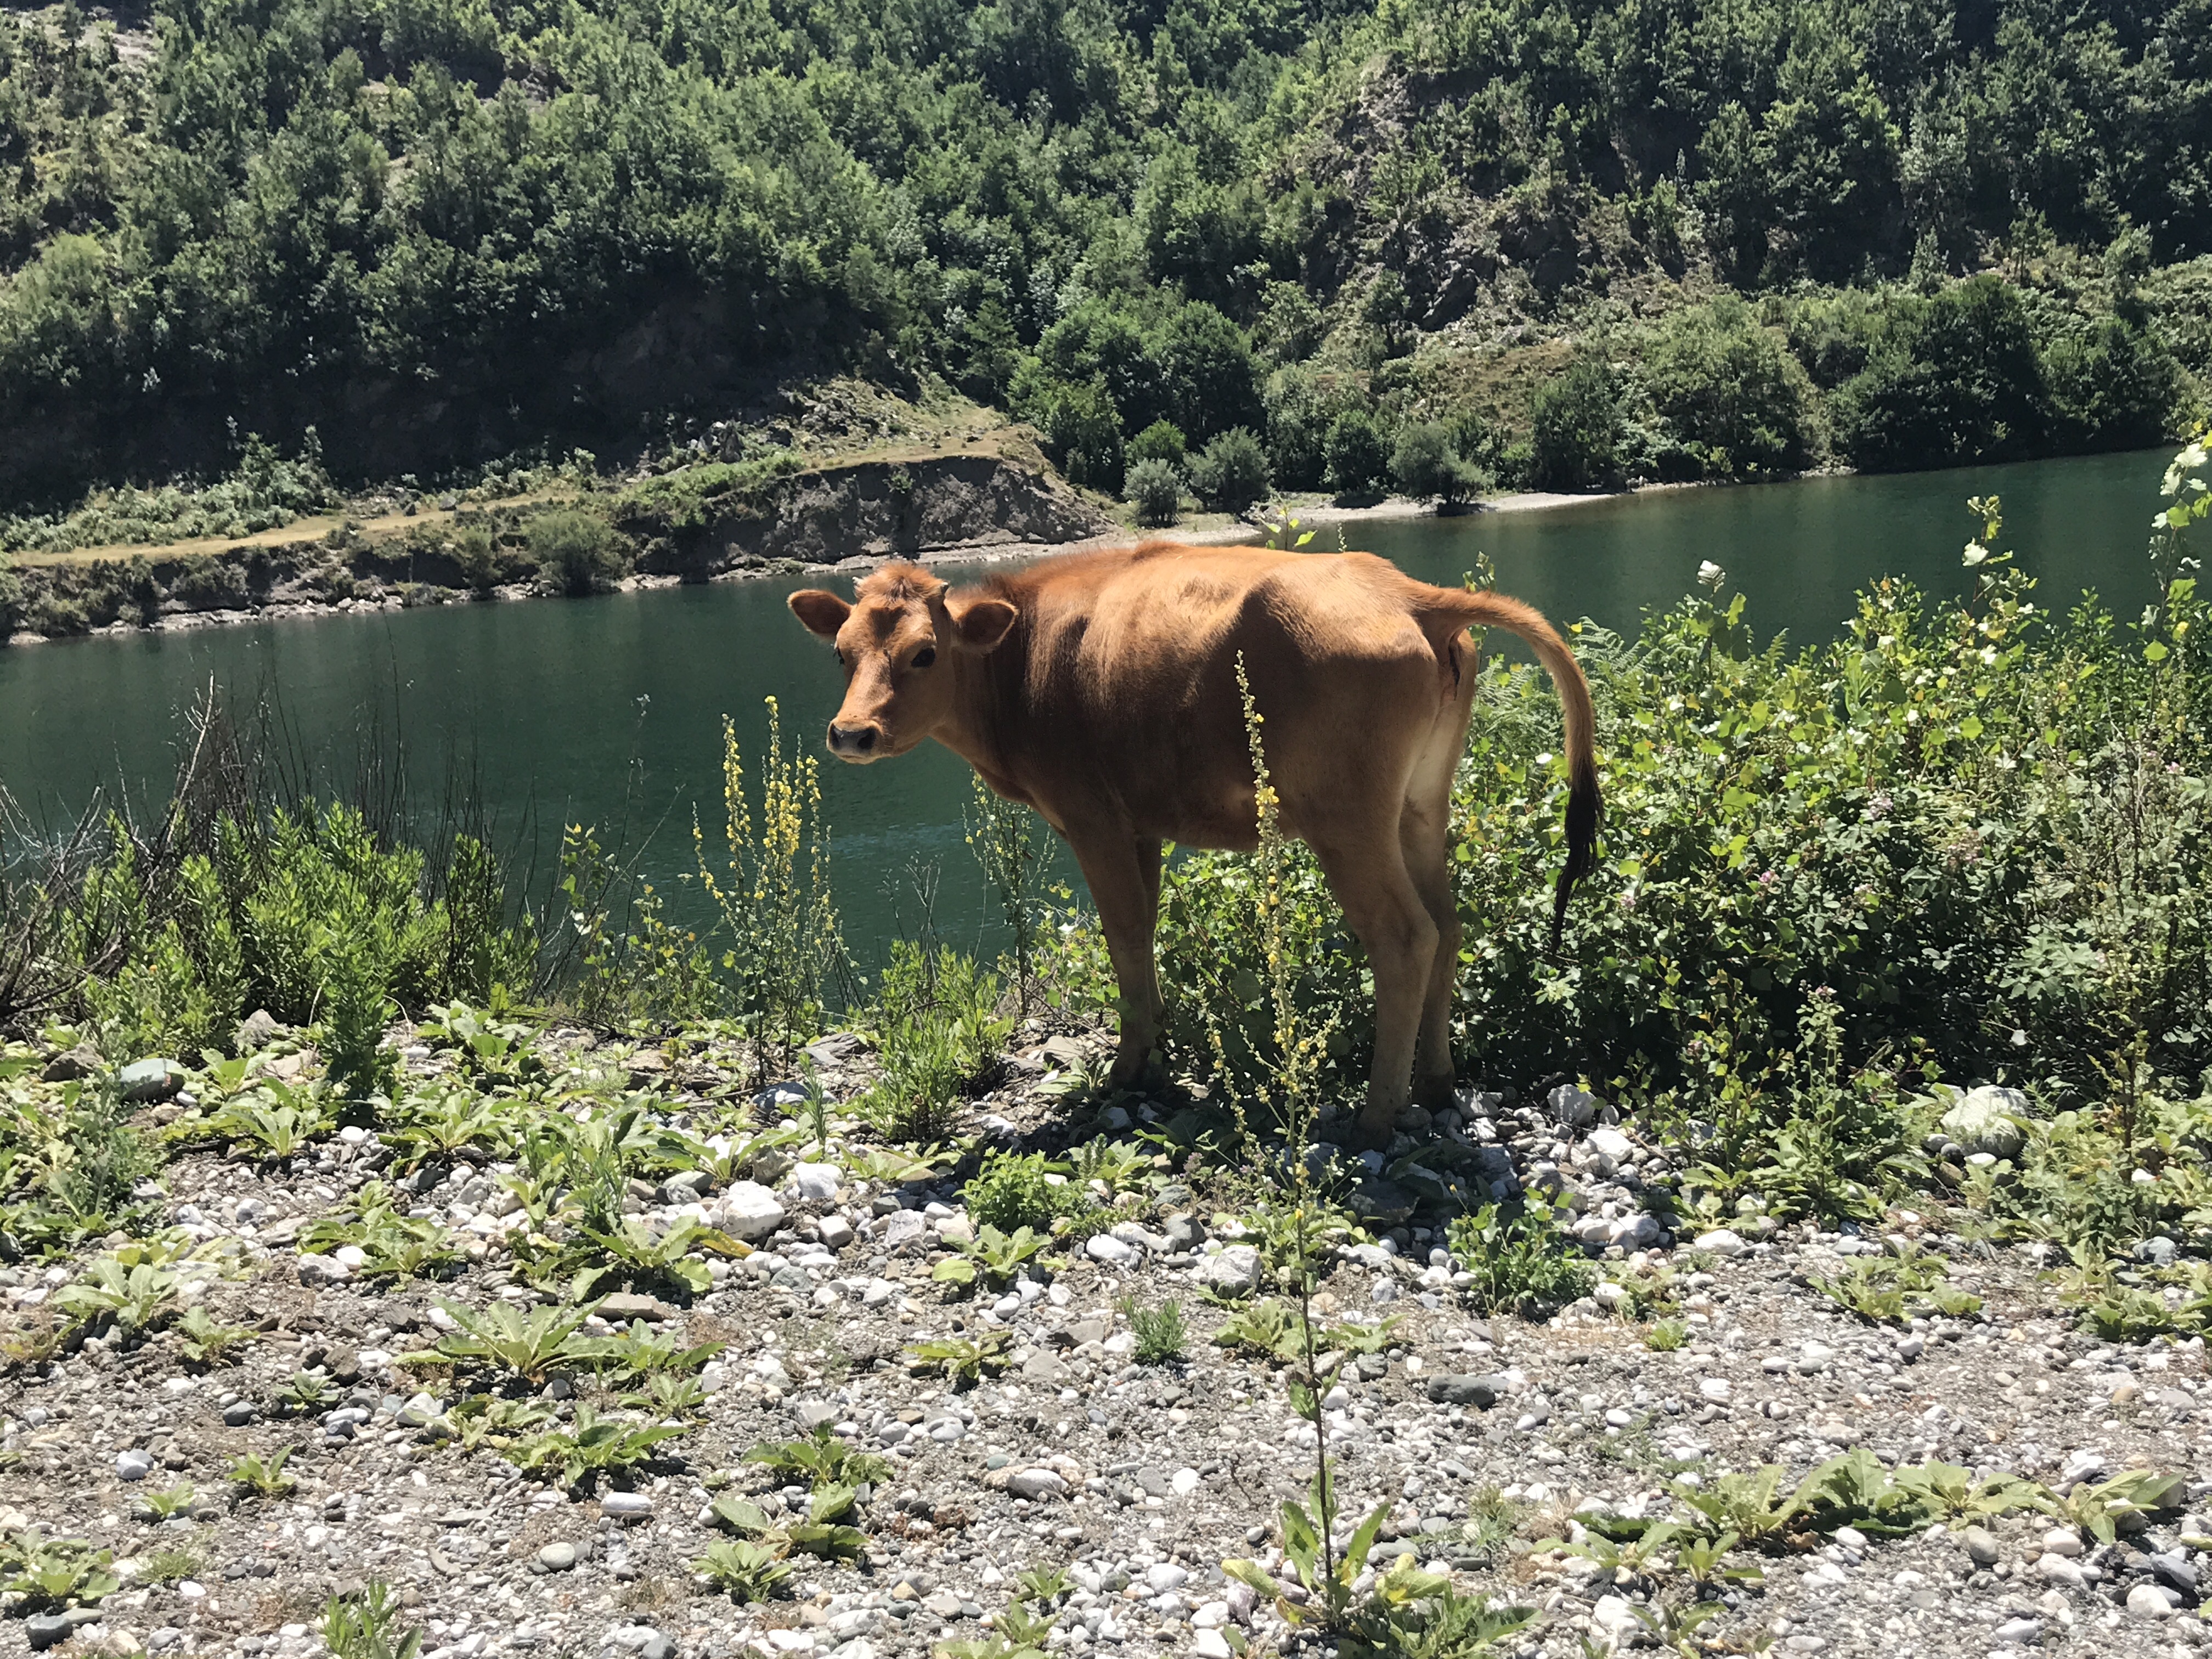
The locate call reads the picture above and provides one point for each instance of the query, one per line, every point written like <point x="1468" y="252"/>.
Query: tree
<point x="1427" y="465"/>
<point x="1951" y="379"/>
<point x="1574" y="428"/>
<point x="1232" y="473"/>
<point x="1084" y="434"/>
<point x="1209" y="382"/>
<point x="1357" y="452"/>
<point x="1160" y="441"/>
<point x="1156" y="491"/>
<point x="577" y="553"/>
<point x="1732" y="391"/>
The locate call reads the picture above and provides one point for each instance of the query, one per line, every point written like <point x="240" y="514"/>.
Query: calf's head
<point x="895" y="642"/>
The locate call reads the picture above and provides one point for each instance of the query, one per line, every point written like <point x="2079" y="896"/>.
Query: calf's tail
<point x="1443" y="612"/>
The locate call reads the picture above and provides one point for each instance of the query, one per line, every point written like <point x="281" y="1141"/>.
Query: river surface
<point x="608" y="711"/>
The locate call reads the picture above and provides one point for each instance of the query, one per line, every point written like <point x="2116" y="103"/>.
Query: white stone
<point x="1613" y="1620"/>
<point x="815" y="1180"/>
<point x="1717" y="1388"/>
<point x="836" y="1233"/>
<point x="1210" y="1643"/>
<point x="1722" y="1242"/>
<point x="2063" y="1540"/>
<point x="1036" y="1483"/>
<point x="2059" y="1570"/>
<point x="1104" y="1246"/>
<point x="1640" y="1231"/>
<point x="133" y="1465"/>
<point x="625" y="1506"/>
<point x="1165" y="1576"/>
<point x="2150" y="1601"/>
<point x="748" y="1211"/>
<point x="1233" y="1271"/>
<point x="1183" y="1482"/>
<point x="1613" y="1144"/>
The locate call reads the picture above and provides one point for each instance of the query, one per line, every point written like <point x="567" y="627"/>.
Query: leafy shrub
<point x="1011" y="1191"/>
<point x="1162" y="441"/>
<point x="1156" y="491"/>
<point x="1740" y="401"/>
<point x="577" y="553"/>
<point x="1232" y="473"/>
<point x="1357" y="451"/>
<point x="1520" y="1256"/>
<point x="263" y="491"/>
<point x="1427" y="463"/>
<point x="1949" y="379"/>
<point x="477" y="551"/>
<point x="2112" y="386"/>
<point x="939" y="1025"/>
<point x="1574" y="428"/>
<point x="1082" y="434"/>
<point x="1300" y="405"/>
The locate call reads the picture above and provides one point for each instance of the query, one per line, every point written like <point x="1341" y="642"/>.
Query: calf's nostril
<point x="865" y="738"/>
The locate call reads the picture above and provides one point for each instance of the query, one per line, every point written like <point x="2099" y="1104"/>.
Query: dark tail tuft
<point x="1584" y="808"/>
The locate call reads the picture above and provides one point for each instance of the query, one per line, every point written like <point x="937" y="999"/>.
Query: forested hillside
<point x="447" y="230"/>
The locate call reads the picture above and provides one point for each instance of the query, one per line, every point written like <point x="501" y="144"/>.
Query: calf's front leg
<point x="1123" y="874"/>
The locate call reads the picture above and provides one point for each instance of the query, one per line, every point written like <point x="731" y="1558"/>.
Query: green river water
<point x="607" y="711"/>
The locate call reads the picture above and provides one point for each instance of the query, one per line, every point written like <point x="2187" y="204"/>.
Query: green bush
<point x="938" y="1027"/>
<point x="1155" y="490"/>
<point x="1357" y="453"/>
<point x="1162" y="441"/>
<point x="1232" y="473"/>
<point x="262" y="491"/>
<point x="2112" y="386"/>
<point x="1574" y="428"/>
<point x="577" y="553"/>
<point x="1740" y="402"/>
<point x="311" y="915"/>
<point x="1950" y="378"/>
<point x="1427" y="464"/>
<point x="1010" y="1191"/>
<point x="477" y="553"/>
<point x="1082" y="434"/>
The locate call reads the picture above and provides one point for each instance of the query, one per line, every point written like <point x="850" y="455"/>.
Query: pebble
<point x="1982" y="1546"/>
<point x="133" y="1465"/>
<point x="626" y="1505"/>
<point x="2150" y="1601"/>
<point x="1038" y="1483"/>
<point x="2060" y="1570"/>
<point x="557" y="1557"/>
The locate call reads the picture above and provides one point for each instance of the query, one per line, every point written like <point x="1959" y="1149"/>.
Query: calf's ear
<point x="982" y="625"/>
<point x="823" y="613"/>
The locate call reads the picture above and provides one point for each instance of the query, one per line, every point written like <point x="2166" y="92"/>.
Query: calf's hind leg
<point x="1384" y="908"/>
<point x="1424" y="841"/>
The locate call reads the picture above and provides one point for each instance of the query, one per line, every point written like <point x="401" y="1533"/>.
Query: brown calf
<point x="1100" y="689"/>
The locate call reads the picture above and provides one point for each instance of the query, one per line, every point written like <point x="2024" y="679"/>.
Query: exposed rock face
<point x="876" y="509"/>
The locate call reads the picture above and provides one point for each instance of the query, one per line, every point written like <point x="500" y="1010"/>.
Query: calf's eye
<point x="924" y="657"/>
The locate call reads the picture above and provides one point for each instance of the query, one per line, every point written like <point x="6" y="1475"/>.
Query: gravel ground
<point x="1485" y="1435"/>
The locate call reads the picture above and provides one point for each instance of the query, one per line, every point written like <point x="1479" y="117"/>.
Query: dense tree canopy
<point x="536" y="218"/>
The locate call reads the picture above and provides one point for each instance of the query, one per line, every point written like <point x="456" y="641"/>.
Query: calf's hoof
<point x="1437" y="1092"/>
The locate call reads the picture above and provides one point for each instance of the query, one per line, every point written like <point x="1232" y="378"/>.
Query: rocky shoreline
<point x="1494" y="1439"/>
